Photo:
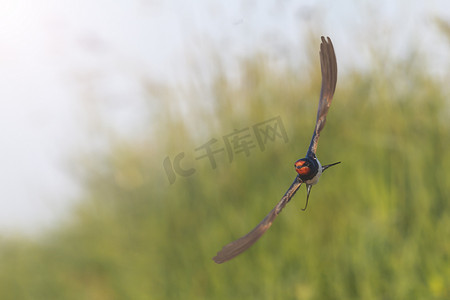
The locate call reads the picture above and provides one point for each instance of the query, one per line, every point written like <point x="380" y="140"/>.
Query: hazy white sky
<point x="54" y="53"/>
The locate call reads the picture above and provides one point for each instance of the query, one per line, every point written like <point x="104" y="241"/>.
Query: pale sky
<point x="54" y="53"/>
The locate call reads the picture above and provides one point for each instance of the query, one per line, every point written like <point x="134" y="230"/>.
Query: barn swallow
<point x="309" y="168"/>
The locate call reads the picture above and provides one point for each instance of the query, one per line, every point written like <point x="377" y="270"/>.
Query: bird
<point x="308" y="168"/>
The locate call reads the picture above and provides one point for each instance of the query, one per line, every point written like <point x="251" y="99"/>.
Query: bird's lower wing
<point x="240" y="245"/>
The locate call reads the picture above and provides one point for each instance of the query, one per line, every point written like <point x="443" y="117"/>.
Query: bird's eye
<point x="299" y="163"/>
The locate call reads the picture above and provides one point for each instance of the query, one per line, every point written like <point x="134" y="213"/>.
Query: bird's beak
<point x="327" y="166"/>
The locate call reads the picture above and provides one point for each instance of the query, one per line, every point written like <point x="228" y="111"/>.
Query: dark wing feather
<point x="238" y="246"/>
<point x="328" y="67"/>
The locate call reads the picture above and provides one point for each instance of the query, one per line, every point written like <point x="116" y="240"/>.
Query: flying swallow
<point x="308" y="168"/>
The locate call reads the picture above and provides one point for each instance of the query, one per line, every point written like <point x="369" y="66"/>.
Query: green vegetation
<point x="377" y="225"/>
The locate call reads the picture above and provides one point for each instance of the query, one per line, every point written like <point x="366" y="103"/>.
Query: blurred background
<point x="139" y="137"/>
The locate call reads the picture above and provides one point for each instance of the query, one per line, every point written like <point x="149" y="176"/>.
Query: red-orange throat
<point x="300" y="168"/>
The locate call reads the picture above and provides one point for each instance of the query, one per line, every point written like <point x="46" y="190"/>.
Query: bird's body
<point x="309" y="168"/>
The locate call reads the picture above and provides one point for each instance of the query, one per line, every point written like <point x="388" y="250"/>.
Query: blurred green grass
<point x="377" y="226"/>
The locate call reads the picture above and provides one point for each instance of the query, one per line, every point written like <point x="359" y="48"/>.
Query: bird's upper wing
<point x="240" y="245"/>
<point x="328" y="67"/>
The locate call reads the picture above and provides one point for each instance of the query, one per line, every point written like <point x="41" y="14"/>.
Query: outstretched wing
<point x="238" y="246"/>
<point x="328" y="67"/>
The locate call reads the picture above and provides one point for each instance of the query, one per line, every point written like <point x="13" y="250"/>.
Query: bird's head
<point x="303" y="167"/>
